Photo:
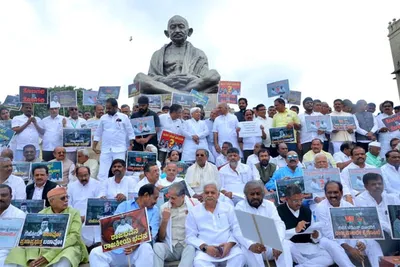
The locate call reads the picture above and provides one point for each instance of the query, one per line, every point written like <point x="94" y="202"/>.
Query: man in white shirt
<point x="171" y="170"/>
<point x="41" y="185"/>
<point x="84" y="160"/>
<point x="340" y="136"/>
<point x="391" y="172"/>
<point x="210" y="138"/>
<point x="255" y="204"/>
<point x="7" y="211"/>
<point x="214" y="242"/>
<point x="342" y="248"/>
<point x="113" y="131"/>
<point x="252" y="160"/>
<point x="16" y="183"/>
<point x="68" y="166"/>
<point x="266" y="122"/>
<point x="78" y="193"/>
<point x="29" y="152"/>
<point x="224" y="128"/>
<point x="316" y="148"/>
<point x="375" y="196"/>
<point x="53" y="132"/>
<point x="234" y="176"/>
<point x="222" y="158"/>
<point x="27" y="130"/>
<point x="385" y="136"/>
<point x="280" y="160"/>
<point x="119" y="186"/>
<point x="343" y="157"/>
<point x="151" y="176"/>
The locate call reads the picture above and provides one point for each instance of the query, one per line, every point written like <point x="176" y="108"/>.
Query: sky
<point x="327" y="50"/>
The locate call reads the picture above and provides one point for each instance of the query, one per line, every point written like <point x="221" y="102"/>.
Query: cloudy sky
<point x="327" y="51"/>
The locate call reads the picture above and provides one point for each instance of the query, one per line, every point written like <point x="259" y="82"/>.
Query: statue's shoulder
<point x="197" y="50"/>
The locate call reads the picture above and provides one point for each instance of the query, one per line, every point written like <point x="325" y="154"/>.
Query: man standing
<point x="73" y="122"/>
<point x="67" y="164"/>
<point x="385" y="136"/>
<point x="271" y="111"/>
<point x="53" y="132"/>
<point x="391" y="172"/>
<point x="172" y="229"/>
<point x="151" y="176"/>
<point x="126" y="109"/>
<point x="338" y="137"/>
<point x="264" y="170"/>
<point x="27" y="130"/>
<point x="113" y="131"/>
<point x="242" y="103"/>
<point x="170" y="122"/>
<point x="210" y="136"/>
<point x="142" y="141"/>
<point x="266" y="122"/>
<point x="140" y="255"/>
<point x="84" y="160"/>
<point x="368" y="125"/>
<point x="119" y="186"/>
<point x="224" y="128"/>
<point x="185" y="114"/>
<point x="98" y="112"/>
<point x="29" y="152"/>
<point x="41" y="185"/>
<point x="373" y="155"/>
<point x="214" y="242"/>
<point x="16" y="183"/>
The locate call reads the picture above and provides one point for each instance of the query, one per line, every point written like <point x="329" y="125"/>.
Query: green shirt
<point x="375" y="160"/>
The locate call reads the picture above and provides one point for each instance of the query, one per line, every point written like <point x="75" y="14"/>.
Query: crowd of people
<point x="227" y="173"/>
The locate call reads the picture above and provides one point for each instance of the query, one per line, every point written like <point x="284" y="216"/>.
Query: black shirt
<point x="240" y="115"/>
<point x="153" y="140"/>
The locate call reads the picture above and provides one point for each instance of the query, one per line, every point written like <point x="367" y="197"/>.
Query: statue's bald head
<point x="178" y="30"/>
<point x="178" y="19"/>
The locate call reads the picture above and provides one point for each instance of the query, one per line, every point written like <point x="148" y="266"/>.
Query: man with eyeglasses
<point x="280" y="160"/>
<point x="68" y="166"/>
<point x="73" y="122"/>
<point x="291" y="170"/>
<point x="384" y="134"/>
<point x="41" y="185"/>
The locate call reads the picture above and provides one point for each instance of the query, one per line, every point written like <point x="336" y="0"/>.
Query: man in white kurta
<point x="119" y="186"/>
<point x="171" y="170"/>
<point x="84" y="160"/>
<point x="391" y="172"/>
<point x="384" y="134"/>
<point x="79" y="192"/>
<point x="16" y="183"/>
<point x="353" y="247"/>
<point x="212" y="229"/>
<point x="255" y="204"/>
<point x="151" y="176"/>
<point x="210" y="138"/>
<point x="7" y="211"/>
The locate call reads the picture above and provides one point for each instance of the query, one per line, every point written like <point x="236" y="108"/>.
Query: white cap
<point x="375" y="144"/>
<point x="54" y="104"/>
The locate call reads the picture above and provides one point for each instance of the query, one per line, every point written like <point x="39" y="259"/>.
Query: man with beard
<point x="255" y="204"/>
<point x="242" y="103"/>
<point x="264" y="170"/>
<point x="391" y="172"/>
<point x="114" y="129"/>
<point x="98" y="112"/>
<point x="142" y="141"/>
<point x="342" y="249"/>
<point x="119" y="186"/>
<point x="280" y="160"/>
<point x="358" y="156"/>
<point x="375" y="196"/>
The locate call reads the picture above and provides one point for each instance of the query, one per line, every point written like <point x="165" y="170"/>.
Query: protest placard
<point x="10" y="230"/>
<point x="228" y="92"/>
<point x="125" y="230"/>
<point x="182" y="168"/>
<point x="44" y="230"/>
<point x="356" y="223"/>
<point x="23" y="170"/>
<point x="165" y="189"/>
<point x="133" y="89"/>
<point x="394" y="217"/>
<point x="138" y="159"/>
<point x="259" y="229"/>
<point x="273" y="197"/>
<point x="281" y="185"/>
<point x="77" y="137"/>
<point x="185" y="100"/>
<point x="63" y="99"/>
<point x="343" y="123"/>
<point x="6" y="134"/>
<point x="12" y="102"/>
<point x="89" y="98"/>
<point x="29" y="205"/>
<point x="155" y="101"/>
<point x="171" y="141"/>
<point x="106" y="92"/>
<point x="93" y="125"/>
<point x="392" y="122"/>
<point x="249" y="129"/>
<point x="99" y="208"/>
<point x="281" y="134"/>
<point x="315" y="123"/>
<point x="294" y="97"/>
<point x="356" y="177"/>
<point x="143" y="125"/>
<point x="199" y="98"/>
<point x="55" y="170"/>
<point x="315" y="179"/>
<point x="278" y="88"/>
<point x="30" y="94"/>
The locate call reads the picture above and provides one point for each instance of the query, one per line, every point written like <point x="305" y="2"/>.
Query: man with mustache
<point x="79" y="192"/>
<point x="60" y="154"/>
<point x="384" y="134"/>
<point x="212" y="229"/>
<point x="119" y="186"/>
<point x="41" y="185"/>
<point x="255" y="204"/>
<point x="15" y="182"/>
<point x="264" y="169"/>
<point x="391" y="172"/>
<point x="343" y="249"/>
<point x="151" y="176"/>
<point x="280" y="160"/>
<point x="114" y="130"/>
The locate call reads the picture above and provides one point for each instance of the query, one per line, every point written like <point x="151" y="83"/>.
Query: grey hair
<point x="211" y="183"/>
<point x="256" y="184"/>
<point x="84" y="151"/>
<point x="205" y="151"/>
<point x="178" y="188"/>
<point x="320" y="154"/>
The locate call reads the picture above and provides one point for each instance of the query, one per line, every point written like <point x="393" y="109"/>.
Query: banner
<point x="44" y="230"/>
<point x="138" y="159"/>
<point x="273" y="197"/>
<point x="392" y="122"/>
<point x="165" y="189"/>
<point x="343" y="123"/>
<point x="199" y="98"/>
<point x="12" y="102"/>
<point x="99" y="208"/>
<point x="315" y="179"/>
<point x="394" y="217"/>
<point x="23" y="170"/>
<point x="10" y="230"/>
<point x="279" y="88"/>
<point x="63" y="99"/>
<point x="171" y="141"/>
<point x="249" y="129"/>
<point x="281" y="185"/>
<point x="154" y="101"/>
<point x="182" y="168"/>
<point x="77" y="137"/>
<point x="294" y="97"/>
<point x="143" y="126"/>
<point x="281" y="134"/>
<point x="6" y="134"/>
<point x="29" y="205"/>
<point x="55" y="170"/>
<point x="356" y="177"/>
<point x="315" y="123"/>
<point x="133" y="89"/>
<point x="29" y="94"/>
<point x="185" y="100"/>
<point x="356" y="223"/>
<point x="228" y="92"/>
<point x="125" y="230"/>
<point x="89" y="98"/>
<point x="106" y="92"/>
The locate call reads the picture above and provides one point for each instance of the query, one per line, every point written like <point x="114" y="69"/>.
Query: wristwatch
<point x="204" y="249"/>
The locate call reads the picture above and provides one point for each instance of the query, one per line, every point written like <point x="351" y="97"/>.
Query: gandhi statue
<point x="178" y="66"/>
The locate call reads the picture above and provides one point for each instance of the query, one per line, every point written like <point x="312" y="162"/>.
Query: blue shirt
<point x="281" y="173"/>
<point x="153" y="217"/>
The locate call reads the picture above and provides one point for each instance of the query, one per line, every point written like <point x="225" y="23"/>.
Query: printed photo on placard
<point x="281" y="185"/>
<point x="6" y="134"/>
<point x="44" y="230"/>
<point x="343" y="123"/>
<point x="89" y="98"/>
<point x="171" y="141"/>
<point x="143" y="125"/>
<point x="30" y="94"/>
<point x="12" y="102"/>
<point x="356" y="177"/>
<point x="273" y="197"/>
<point x="138" y="159"/>
<point x="315" y="123"/>
<point x="394" y="216"/>
<point x="392" y="122"/>
<point x="133" y="89"/>
<point x="281" y="134"/>
<point x="10" y="230"/>
<point x="63" y="99"/>
<point x="356" y="223"/>
<point x="279" y="88"/>
<point x="185" y="100"/>
<point x="154" y="101"/>
<point x="29" y="205"/>
<point x="182" y="168"/>
<point x="77" y="137"/>
<point x="228" y="92"/>
<point x="315" y="179"/>
<point x="23" y="170"/>
<point x="55" y="170"/>
<point x="99" y="208"/>
<point x="199" y="98"/>
<point x="106" y="92"/>
<point x="294" y="98"/>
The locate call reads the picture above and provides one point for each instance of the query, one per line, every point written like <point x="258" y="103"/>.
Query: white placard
<point x="249" y="129"/>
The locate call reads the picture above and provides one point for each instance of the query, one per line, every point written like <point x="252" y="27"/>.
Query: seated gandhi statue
<point x="178" y="66"/>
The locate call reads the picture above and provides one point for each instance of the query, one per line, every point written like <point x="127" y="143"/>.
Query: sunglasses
<point x="63" y="198"/>
<point x="292" y="157"/>
<point x="200" y="155"/>
<point x="72" y="109"/>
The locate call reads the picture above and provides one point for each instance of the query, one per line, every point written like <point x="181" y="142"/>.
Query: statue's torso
<point x="173" y="59"/>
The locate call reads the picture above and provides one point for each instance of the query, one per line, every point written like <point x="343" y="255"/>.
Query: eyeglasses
<point x="72" y="109"/>
<point x="292" y="157"/>
<point x="200" y="155"/>
<point x="63" y="198"/>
